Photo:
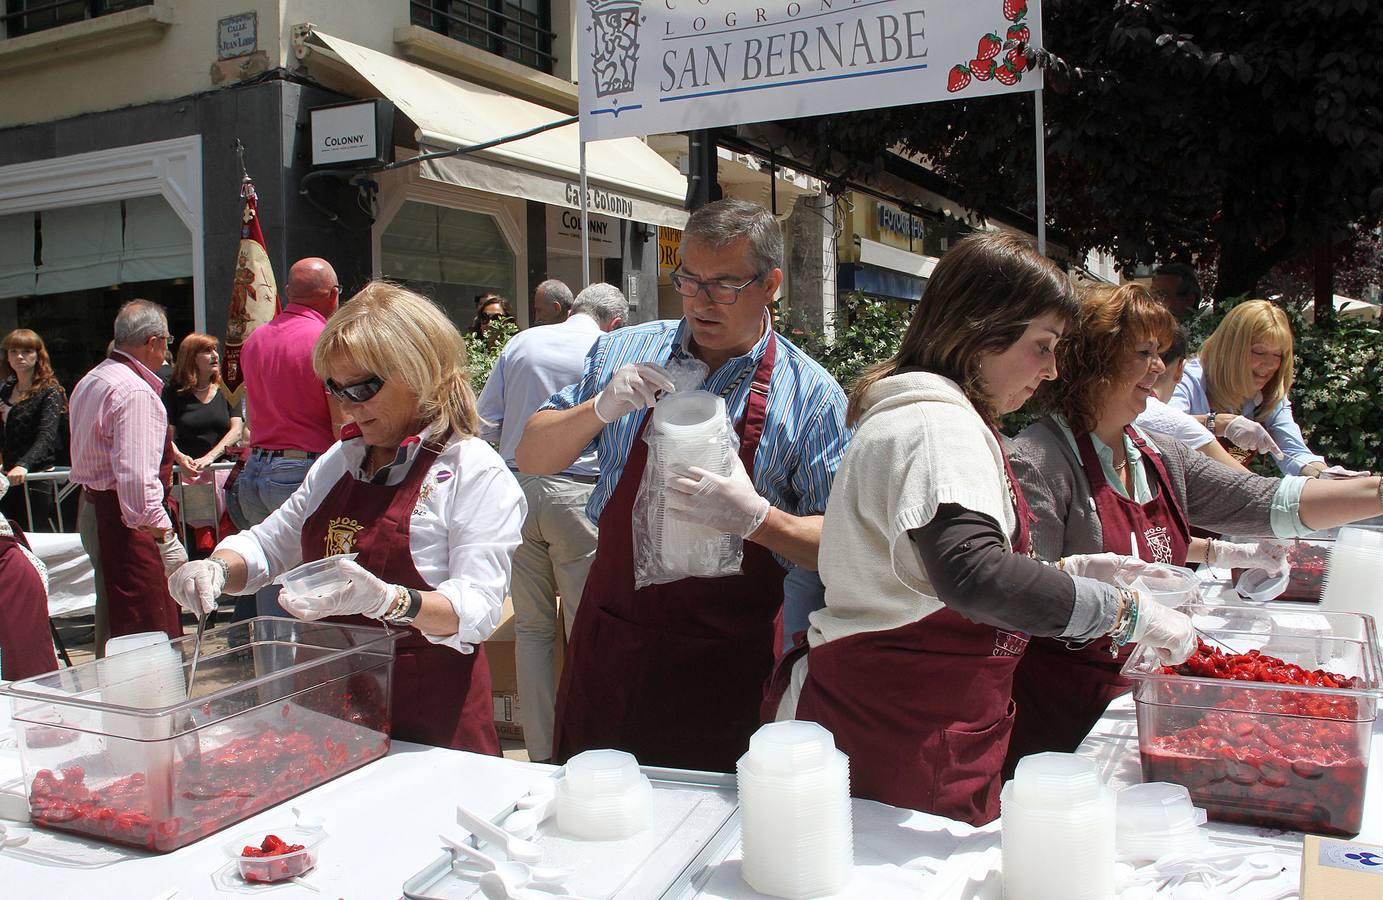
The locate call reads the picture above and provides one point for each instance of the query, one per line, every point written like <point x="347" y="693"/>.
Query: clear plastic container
<point x="1265" y="754"/>
<point x="603" y="796"/>
<point x="1172" y="586"/>
<point x="282" y="706"/>
<point x="1308" y="558"/>
<point x="315" y="577"/>
<point x="282" y="867"/>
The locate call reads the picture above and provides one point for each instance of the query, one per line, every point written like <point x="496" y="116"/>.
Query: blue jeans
<point x="264" y="484"/>
<point x="803" y="593"/>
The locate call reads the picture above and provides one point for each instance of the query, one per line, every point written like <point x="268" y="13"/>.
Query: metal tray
<point x="695" y="818"/>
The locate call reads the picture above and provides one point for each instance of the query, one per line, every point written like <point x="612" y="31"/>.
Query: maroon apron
<point x="673" y="673"/>
<point x="441" y="697"/>
<point x="923" y="710"/>
<point x="1061" y="693"/>
<point x="26" y="643"/>
<point x="137" y="597"/>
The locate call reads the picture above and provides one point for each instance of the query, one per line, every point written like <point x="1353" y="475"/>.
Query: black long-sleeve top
<point x="29" y="435"/>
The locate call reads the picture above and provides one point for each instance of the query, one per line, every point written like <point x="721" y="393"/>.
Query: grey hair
<point x="139" y="320"/>
<point x="726" y="221"/>
<point x="554" y="291"/>
<point x="602" y="302"/>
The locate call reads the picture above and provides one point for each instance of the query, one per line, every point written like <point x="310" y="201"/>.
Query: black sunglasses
<point x="358" y="392"/>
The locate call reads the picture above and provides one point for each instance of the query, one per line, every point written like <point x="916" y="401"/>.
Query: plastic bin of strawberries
<point x="1308" y="558"/>
<point x="1264" y="729"/>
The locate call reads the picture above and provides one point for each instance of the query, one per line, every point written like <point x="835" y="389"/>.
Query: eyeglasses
<point x="359" y="392"/>
<point x="719" y="291"/>
<point x="492" y="317"/>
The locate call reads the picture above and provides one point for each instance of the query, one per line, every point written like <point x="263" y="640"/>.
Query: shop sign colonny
<point x="657" y="66"/>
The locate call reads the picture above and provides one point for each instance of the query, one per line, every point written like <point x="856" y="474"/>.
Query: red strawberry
<point x="982" y="68"/>
<point x="1018" y="33"/>
<point x="990" y="45"/>
<point x="1016" y="59"/>
<point x="958" y="79"/>
<point x="1015" y="9"/>
<point x="1006" y="74"/>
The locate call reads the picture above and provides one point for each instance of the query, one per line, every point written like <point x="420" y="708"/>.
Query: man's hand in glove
<point x="197" y="584"/>
<point x="362" y="595"/>
<point x="1101" y="566"/>
<point x="1269" y="556"/>
<point x="631" y="388"/>
<point x="726" y="503"/>
<point x="1250" y="435"/>
<point x="173" y="552"/>
<point x="1165" y="629"/>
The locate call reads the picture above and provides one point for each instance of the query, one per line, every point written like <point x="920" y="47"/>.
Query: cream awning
<point x="626" y="178"/>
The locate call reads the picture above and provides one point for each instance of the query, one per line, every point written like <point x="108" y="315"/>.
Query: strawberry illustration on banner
<point x="254" y="296"/>
<point x="985" y="65"/>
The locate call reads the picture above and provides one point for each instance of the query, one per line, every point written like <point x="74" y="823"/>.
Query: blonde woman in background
<point x="1238" y="388"/>
<point x="431" y="509"/>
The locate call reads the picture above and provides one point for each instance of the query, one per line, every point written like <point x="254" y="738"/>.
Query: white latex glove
<point x="173" y="552"/>
<point x="1169" y="631"/>
<point x="1342" y="472"/>
<point x="196" y="585"/>
<point x="1246" y="433"/>
<point x="1102" y="566"/>
<point x="631" y="388"/>
<point x="362" y="595"/>
<point x="1269" y="556"/>
<point x="726" y="503"/>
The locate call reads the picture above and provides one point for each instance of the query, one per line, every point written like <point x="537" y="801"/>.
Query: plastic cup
<point x="1172" y="586"/>
<point x="1156" y="807"/>
<point x="690" y="416"/>
<point x="603" y="795"/>
<point x="1260" y="586"/>
<point x="599" y="773"/>
<point x="123" y="643"/>
<point x="316" y="577"/>
<point x="285" y="866"/>
<point x="787" y="748"/>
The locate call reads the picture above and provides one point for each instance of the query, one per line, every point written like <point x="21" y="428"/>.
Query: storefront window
<point x="27" y="16"/>
<point x="450" y="255"/>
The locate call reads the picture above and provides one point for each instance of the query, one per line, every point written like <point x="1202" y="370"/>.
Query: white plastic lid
<point x="689" y="414"/>
<point x="1260" y="586"/>
<point x="1053" y="779"/>
<point x="601" y="772"/>
<point x="1157" y="807"/>
<point x="125" y="642"/>
<point x="1361" y="537"/>
<point x="788" y="748"/>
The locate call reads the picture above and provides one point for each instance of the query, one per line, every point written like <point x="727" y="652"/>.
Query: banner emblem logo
<point x="615" y="48"/>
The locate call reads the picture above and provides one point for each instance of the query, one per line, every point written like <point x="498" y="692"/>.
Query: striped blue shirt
<point x="804" y="432"/>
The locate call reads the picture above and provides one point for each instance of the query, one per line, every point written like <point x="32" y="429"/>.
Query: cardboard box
<point x="1340" y="870"/>
<point x="504" y="675"/>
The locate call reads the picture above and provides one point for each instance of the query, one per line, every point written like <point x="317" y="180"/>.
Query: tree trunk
<point x="1324" y="267"/>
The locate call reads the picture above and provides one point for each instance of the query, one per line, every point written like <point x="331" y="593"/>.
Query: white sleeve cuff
<point x="256" y="563"/>
<point x="477" y="615"/>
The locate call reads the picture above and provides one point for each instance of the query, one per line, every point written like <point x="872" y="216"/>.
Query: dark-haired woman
<point x="489" y="312"/>
<point x="1096" y="482"/>
<point x="930" y="590"/>
<point x="204" y="426"/>
<point x="31" y="407"/>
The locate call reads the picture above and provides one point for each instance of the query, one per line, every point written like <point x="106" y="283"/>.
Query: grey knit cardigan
<point x="1214" y="496"/>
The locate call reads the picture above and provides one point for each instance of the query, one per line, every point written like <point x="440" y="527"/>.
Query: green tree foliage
<point x="867" y="331"/>
<point x="480" y="356"/>
<point x="1247" y="131"/>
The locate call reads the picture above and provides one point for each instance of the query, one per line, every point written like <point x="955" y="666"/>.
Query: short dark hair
<point x="1190" y="281"/>
<point x="1176" y="350"/>
<point x="723" y="222"/>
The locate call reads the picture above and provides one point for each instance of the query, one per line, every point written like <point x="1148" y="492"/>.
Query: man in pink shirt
<point x="292" y="419"/>
<point x="122" y="459"/>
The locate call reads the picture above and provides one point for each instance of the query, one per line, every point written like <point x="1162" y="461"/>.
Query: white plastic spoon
<point x="519" y="873"/>
<point x="1253" y="868"/>
<point x="490" y="833"/>
<point x="495" y="887"/>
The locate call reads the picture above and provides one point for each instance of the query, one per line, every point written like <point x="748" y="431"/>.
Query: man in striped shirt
<point x="673" y="672"/>
<point x="122" y="459"/>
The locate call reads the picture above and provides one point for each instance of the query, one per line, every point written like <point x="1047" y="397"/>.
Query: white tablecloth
<point x="71" y="580"/>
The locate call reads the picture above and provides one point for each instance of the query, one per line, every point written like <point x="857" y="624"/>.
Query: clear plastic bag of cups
<point x="688" y="428"/>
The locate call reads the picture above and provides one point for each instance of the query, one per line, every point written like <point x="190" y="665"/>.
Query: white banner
<point x="657" y="66"/>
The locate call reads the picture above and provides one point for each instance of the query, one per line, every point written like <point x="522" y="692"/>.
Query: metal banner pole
<point x="585" y="225"/>
<point x="1041" y="136"/>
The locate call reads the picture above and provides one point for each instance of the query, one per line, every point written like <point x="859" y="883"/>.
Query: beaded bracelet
<point x="225" y="568"/>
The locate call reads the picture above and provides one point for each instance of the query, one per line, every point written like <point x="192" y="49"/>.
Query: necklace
<point x="1119" y="467"/>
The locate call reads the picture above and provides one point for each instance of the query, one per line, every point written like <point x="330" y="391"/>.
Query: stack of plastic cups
<point x="1158" y="818"/>
<point x="602" y="796"/>
<point x="1353" y="579"/>
<point x="143" y="671"/>
<point x="795" y="825"/>
<point x="691" y="429"/>
<point x="1058" y="826"/>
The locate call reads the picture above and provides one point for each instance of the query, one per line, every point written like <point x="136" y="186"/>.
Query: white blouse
<point x="465" y="526"/>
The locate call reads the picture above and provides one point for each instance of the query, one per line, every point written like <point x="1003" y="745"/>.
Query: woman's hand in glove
<point x="197" y="584"/>
<point x="1165" y="629"/>
<point x="726" y="503"/>
<point x="1269" y="556"/>
<point x="630" y="389"/>
<point x="362" y="595"/>
<point x="1250" y="435"/>
<point x="1102" y="566"/>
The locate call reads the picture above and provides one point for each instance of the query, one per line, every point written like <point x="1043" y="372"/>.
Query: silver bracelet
<point x="225" y="567"/>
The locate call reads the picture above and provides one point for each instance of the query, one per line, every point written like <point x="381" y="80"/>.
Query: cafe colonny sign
<point x="655" y="66"/>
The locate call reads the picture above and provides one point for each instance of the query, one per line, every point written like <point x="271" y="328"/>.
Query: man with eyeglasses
<point x="292" y="420"/>
<point x="122" y="457"/>
<point x="674" y="672"/>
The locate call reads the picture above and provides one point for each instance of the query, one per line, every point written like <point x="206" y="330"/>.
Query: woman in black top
<point x="203" y="425"/>
<point x="31" y="407"/>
